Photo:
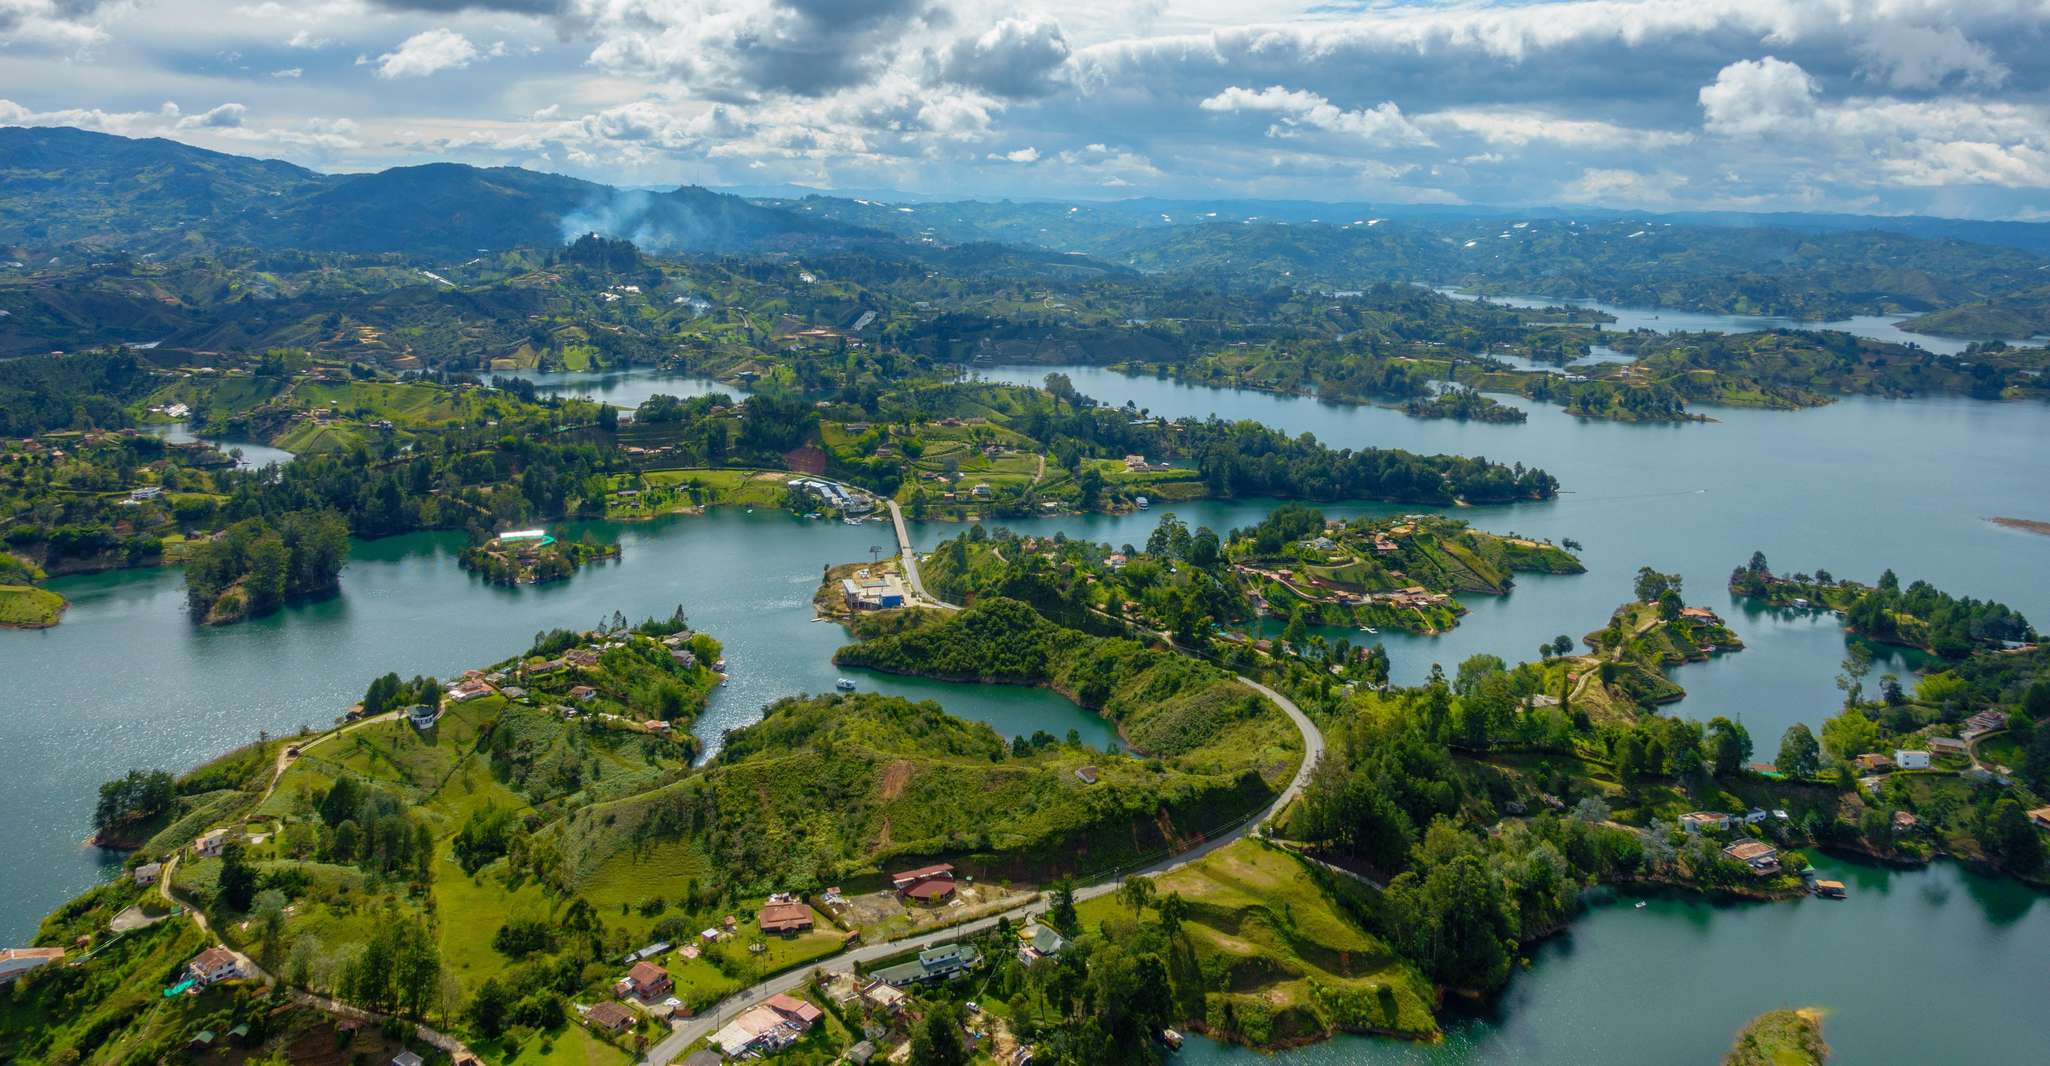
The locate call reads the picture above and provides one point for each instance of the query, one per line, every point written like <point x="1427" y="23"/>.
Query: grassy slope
<point x="1780" y="1038"/>
<point x="28" y="607"/>
<point x="1292" y="963"/>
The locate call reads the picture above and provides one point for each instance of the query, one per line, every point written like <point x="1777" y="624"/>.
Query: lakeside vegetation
<point x="532" y="561"/>
<point x="1917" y="616"/>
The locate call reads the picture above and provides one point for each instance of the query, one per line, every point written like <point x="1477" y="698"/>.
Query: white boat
<point x="1368" y="629"/>
<point x="1640" y="904"/>
<point x="844" y="685"/>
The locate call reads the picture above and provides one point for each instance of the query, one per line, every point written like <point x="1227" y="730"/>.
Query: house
<point x="802" y="1013"/>
<point x="583" y="692"/>
<point x="649" y="952"/>
<point x="1761" y="857"/>
<point x="407" y="1058"/>
<point x="883" y="996"/>
<point x="1701" y="616"/>
<point x="465" y="691"/>
<point x="423" y="716"/>
<point x="1755" y="816"/>
<point x="213" y="964"/>
<point x="2040" y="816"/>
<point x="981" y="491"/>
<point x="908" y="878"/>
<point x="1697" y="821"/>
<point x="1909" y="759"/>
<point x="702" y="1057"/>
<point x="209" y="844"/>
<point x="610" y="1017"/>
<point x="784" y="918"/>
<point x="931" y="891"/>
<point x="1087" y="774"/>
<point x="684" y="657"/>
<point x="1829" y="889"/>
<point x="932" y="964"/>
<point x="1947" y="746"/>
<point x="859" y="1054"/>
<point x="645" y="981"/>
<point x="147" y="874"/>
<point x="761" y="1028"/>
<point x="1040" y="942"/>
<point x="1985" y="722"/>
<point x="580" y="657"/>
<point x="1905" y="822"/>
<point x="147" y="492"/>
<point x="1873" y="762"/>
<point x="17" y="961"/>
<point x="1322" y="544"/>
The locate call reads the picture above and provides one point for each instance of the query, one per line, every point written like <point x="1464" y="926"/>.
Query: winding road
<point x="686" y="1033"/>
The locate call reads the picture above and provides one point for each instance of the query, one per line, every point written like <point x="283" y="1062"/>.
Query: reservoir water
<point x="1919" y="966"/>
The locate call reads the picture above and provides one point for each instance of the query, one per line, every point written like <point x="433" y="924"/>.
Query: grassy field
<point x="28" y="607"/>
<point x="1288" y="962"/>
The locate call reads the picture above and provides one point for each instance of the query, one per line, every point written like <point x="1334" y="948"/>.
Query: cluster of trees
<point x="41" y="393"/>
<point x="1928" y="617"/>
<point x="369" y="827"/>
<point x="136" y="798"/>
<point x="258" y="563"/>
<point x="388" y="693"/>
<point x="1465" y="405"/>
<point x="1656" y="746"/>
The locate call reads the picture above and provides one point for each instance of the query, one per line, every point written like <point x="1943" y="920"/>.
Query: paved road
<point x="910" y="561"/>
<point x="689" y="1032"/>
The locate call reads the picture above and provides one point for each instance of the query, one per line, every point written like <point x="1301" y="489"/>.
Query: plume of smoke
<point x="654" y="222"/>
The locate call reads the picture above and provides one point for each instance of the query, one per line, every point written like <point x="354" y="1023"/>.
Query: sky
<point x="1873" y="106"/>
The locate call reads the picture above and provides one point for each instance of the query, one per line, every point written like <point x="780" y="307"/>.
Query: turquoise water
<point x="626" y="388"/>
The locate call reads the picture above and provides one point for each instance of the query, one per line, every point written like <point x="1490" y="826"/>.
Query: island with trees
<point x="531" y="557"/>
<point x="1917" y="616"/>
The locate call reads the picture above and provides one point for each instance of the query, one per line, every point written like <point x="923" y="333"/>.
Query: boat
<point x="844" y="685"/>
<point x="1830" y="889"/>
<point x="1368" y="629"/>
<point x="1640" y="904"/>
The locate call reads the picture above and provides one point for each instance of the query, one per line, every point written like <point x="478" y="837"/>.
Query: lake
<point x="1666" y="320"/>
<point x="625" y="388"/>
<point x="128" y="681"/>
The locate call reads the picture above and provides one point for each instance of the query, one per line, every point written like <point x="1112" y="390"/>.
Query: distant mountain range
<point x="60" y="186"/>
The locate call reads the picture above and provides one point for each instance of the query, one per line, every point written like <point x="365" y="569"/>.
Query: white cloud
<point x="1756" y="97"/>
<point x="425" y="53"/>
<point x="1382" y="124"/>
<point x="288" y="72"/>
<point x="305" y="39"/>
<point x="1027" y="154"/>
<point x="1623" y="188"/>
<point x="1518" y="128"/>
<point x="226" y="116"/>
<point x="1922" y="57"/>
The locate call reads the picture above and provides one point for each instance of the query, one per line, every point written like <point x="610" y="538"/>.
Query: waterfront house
<point x="1829" y="889"/>
<point x="646" y="981"/>
<point x="1911" y="759"/>
<point x="610" y="1017"/>
<point x="784" y="918"/>
<point x="213" y="964"/>
<point x="1696" y="821"/>
<point x="1762" y="858"/>
<point x="1701" y="616"/>
<point x="1873" y="762"/>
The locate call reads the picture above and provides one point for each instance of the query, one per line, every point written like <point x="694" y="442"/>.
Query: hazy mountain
<point x="61" y="186"/>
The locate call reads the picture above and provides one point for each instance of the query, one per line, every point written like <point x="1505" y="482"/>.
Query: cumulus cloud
<point x="1296" y="109"/>
<point x="226" y="116"/>
<point x="1924" y="57"/>
<point x="61" y="24"/>
<point x="425" y="53"/>
<point x="1017" y="57"/>
<point x="1752" y="97"/>
<point x="288" y="72"/>
<point x="1027" y="154"/>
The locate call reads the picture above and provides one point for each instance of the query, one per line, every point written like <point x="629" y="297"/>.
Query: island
<point x="1781" y="1038"/>
<point x="1918" y="616"/>
<point x="531" y="556"/>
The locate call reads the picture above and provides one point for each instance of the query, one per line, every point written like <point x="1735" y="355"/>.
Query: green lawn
<point x="572" y="1046"/>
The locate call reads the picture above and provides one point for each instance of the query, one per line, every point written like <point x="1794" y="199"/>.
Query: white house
<point x="1908" y="759"/>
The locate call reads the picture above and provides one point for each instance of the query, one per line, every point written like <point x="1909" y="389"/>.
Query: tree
<point x="488" y="1008"/>
<point x="1174" y="910"/>
<point x="1850" y="734"/>
<point x="1562" y="644"/>
<point x="1651" y="585"/>
<point x="1800" y="756"/>
<point x="938" y="1042"/>
<point x="1136" y="893"/>
<point x="2014" y="837"/>
<point x="1062" y="911"/>
<point x="1729" y="746"/>
<point x="238" y="878"/>
<point x="138" y="797"/>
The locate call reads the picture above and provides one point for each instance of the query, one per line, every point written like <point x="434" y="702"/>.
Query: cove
<point x="128" y="681"/>
<point x="1920" y="966"/>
